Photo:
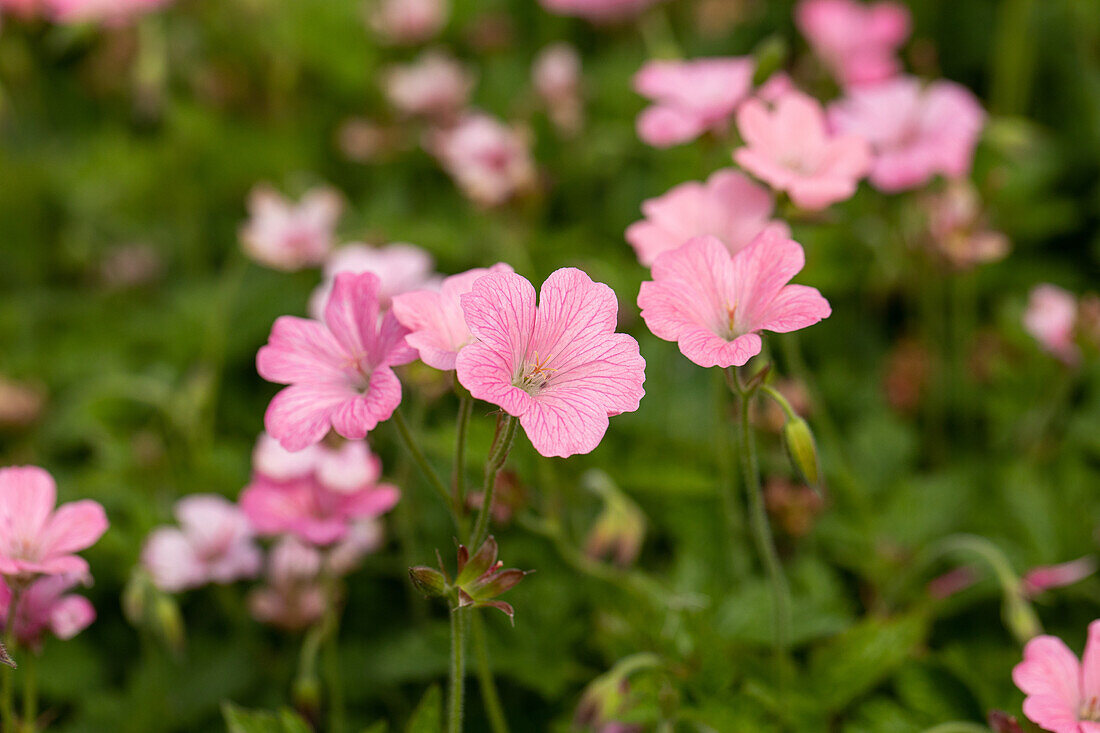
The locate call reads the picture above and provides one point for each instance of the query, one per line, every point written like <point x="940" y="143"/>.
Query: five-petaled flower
<point x="713" y="304"/>
<point x="559" y="367"/>
<point x="1063" y="694"/>
<point x="790" y="148"/>
<point x="340" y="371"/>
<point x="34" y="538"/>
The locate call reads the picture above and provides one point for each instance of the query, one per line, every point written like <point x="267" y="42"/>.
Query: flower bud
<point x="1020" y="618"/>
<point x="168" y="622"/>
<point x="799" y="441"/>
<point x="428" y="581"/>
<point x="618" y="531"/>
<point x="1002" y="722"/>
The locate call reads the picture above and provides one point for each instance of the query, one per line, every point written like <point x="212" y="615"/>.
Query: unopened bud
<point x="135" y="598"/>
<point x="1020" y="618"/>
<point x="799" y="441"/>
<point x="169" y="622"/>
<point x="1002" y="722"/>
<point x="428" y="581"/>
<point x="307" y="695"/>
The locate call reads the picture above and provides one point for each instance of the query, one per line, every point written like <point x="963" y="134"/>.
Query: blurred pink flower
<point x="364" y="536"/>
<point x="435" y="318"/>
<point x="401" y="267"/>
<point x="790" y="148"/>
<point x="1063" y="695"/>
<point x="293" y="598"/>
<point x="311" y="511"/>
<point x="859" y="41"/>
<point x="279" y="464"/>
<point x="777" y="85"/>
<point x="81" y="11"/>
<point x="559" y="367"/>
<point x="289" y="236"/>
<point x="339" y="371"/>
<point x="435" y="85"/>
<point x="1046" y="577"/>
<point x="958" y="228"/>
<point x="45" y="606"/>
<point x="344" y="468"/>
<point x="213" y="544"/>
<point x="490" y="161"/>
<point x="713" y="304"/>
<point x="1051" y="317"/>
<point x="690" y="97"/>
<point x="915" y="131"/>
<point x="36" y="539"/>
<point x="556" y="74"/>
<point x="728" y="206"/>
<point x="598" y="11"/>
<point x="407" y="21"/>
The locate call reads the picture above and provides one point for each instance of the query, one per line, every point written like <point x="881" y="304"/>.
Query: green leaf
<point x="239" y="720"/>
<point x="854" y="662"/>
<point x="428" y="716"/>
<point x="379" y="727"/>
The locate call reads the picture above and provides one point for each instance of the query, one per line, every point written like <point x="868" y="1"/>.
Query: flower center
<point x="535" y="376"/>
<point x="357" y="371"/>
<point x="731" y="323"/>
<point x="1090" y="709"/>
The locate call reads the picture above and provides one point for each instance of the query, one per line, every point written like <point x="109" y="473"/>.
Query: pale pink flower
<point x="859" y="41"/>
<point x="1063" y="695"/>
<point x="598" y="11"/>
<point x="286" y="235"/>
<point x="728" y="206"/>
<point x="45" y="606"/>
<point x="279" y="464"/>
<point x="34" y="538"/>
<point x="490" y="161"/>
<point x="1045" y="577"/>
<point x="558" y="367"/>
<point x="435" y="85"/>
<point x="777" y="85"/>
<point x="690" y="97"/>
<point x="401" y="267"/>
<point x="915" y="131"/>
<point x="408" y="21"/>
<point x="556" y="74"/>
<point x="958" y="229"/>
<point x="435" y="318"/>
<point x="213" y="544"/>
<point x="790" y="148"/>
<point x="363" y="537"/>
<point x="713" y="305"/>
<point x="1051" y="317"/>
<point x="340" y="371"/>
<point x="97" y="11"/>
<point x="344" y="468"/>
<point x="311" y="511"/>
<point x="293" y="598"/>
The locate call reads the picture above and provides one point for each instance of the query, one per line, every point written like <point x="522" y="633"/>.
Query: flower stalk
<point x="506" y="430"/>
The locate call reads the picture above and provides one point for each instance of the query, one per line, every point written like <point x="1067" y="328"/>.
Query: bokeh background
<point x="130" y="319"/>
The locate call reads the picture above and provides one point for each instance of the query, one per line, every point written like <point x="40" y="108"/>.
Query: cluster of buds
<point x="480" y="579"/>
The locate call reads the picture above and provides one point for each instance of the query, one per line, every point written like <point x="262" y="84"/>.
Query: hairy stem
<point x="458" y="669"/>
<point x="497" y="457"/>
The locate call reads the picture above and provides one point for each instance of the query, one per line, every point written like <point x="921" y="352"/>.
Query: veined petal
<point x="299" y="350"/>
<point x="795" y="307"/>
<point x="301" y="414"/>
<point x="500" y="311"/>
<point x="573" y="312"/>
<point x="27" y="496"/>
<point x="73" y="527"/>
<point x="351" y="313"/>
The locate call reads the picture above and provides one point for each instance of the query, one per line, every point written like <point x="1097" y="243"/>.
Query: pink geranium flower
<point x="345" y="468"/>
<point x="490" y="161"/>
<point x="408" y="21"/>
<point x="559" y="367"/>
<point x="915" y="131"/>
<point x="35" y="539"/>
<point x="713" y="305"/>
<point x="293" y="598"/>
<point x="556" y="75"/>
<point x="598" y="11"/>
<point x="1063" y="695"/>
<point x="690" y="97"/>
<point x="45" y="606"/>
<point x="435" y="319"/>
<point x="401" y="267"/>
<point x="311" y="511"/>
<point x="1051" y="317"/>
<point x="213" y="544"/>
<point x="339" y="371"/>
<point x="790" y="148"/>
<point x="286" y="235"/>
<point x="859" y="41"/>
<point x="728" y="206"/>
<point x="435" y="85"/>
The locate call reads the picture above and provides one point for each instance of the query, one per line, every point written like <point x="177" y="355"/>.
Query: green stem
<point x="761" y="529"/>
<point x="422" y="462"/>
<point x="331" y="652"/>
<point x="957" y="727"/>
<point x="490" y="699"/>
<point x="7" y="693"/>
<point x="30" y="695"/>
<point x="458" y="669"/>
<point x="735" y="520"/>
<point x="496" y="460"/>
<point x="458" y="473"/>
